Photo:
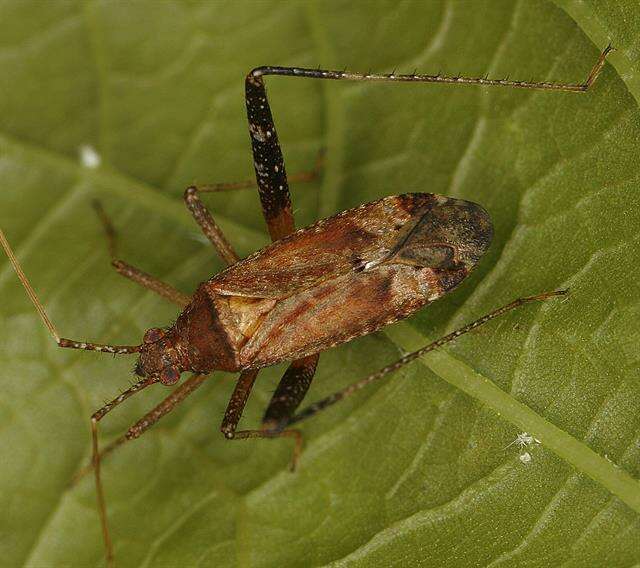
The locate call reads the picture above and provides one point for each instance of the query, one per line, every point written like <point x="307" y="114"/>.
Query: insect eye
<point x="169" y="376"/>
<point x="152" y="335"/>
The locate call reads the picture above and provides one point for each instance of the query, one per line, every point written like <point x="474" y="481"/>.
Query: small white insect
<point x="523" y="440"/>
<point x="89" y="158"/>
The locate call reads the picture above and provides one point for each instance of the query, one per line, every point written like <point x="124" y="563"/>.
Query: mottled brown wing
<point x="347" y="242"/>
<point x="338" y="310"/>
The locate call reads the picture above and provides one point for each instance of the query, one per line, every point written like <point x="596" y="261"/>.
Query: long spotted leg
<point x="330" y="400"/>
<point x="273" y="188"/>
<point x="131" y="272"/>
<point x="276" y="201"/>
<point x="267" y="154"/>
<point x="255" y="78"/>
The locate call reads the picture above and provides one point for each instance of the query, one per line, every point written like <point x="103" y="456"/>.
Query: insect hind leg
<point x="328" y="74"/>
<point x="289" y="393"/>
<point x="350" y="390"/>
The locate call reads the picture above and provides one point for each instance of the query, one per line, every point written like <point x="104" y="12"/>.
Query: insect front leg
<point x="95" y="459"/>
<point x="131" y="272"/>
<point x="148" y="420"/>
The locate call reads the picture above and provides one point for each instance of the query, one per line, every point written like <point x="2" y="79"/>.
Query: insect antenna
<point x="27" y="286"/>
<point x="61" y="341"/>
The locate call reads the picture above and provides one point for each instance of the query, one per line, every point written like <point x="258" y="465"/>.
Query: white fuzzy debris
<point x="525" y="458"/>
<point x="89" y="158"/>
<point x="523" y="440"/>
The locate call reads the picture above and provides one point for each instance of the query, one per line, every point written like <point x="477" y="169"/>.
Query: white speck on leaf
<point x="525" y="458"/>
<point x="89" y="158"/>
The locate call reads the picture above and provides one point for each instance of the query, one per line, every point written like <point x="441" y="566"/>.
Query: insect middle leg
<point x="234" y="412"/>
<point x="131" y="272"/>
<point x="213" y="231"/>
<point x="288" y="395"/>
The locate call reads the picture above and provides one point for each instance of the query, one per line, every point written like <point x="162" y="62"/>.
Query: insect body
<point x="343" y="277"/>
<point x="340" y="278"/>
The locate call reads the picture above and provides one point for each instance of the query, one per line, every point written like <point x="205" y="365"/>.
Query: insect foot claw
<point x="546" y="296"/>
<point x="555" y="293"/>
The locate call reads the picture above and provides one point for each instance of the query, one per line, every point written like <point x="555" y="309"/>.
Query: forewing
<point x="347" y="242"/>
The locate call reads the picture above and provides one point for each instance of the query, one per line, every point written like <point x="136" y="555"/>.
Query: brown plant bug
<point x="311" y="289"/>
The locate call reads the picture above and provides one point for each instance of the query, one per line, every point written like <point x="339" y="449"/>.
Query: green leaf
<point x="418" y="470"/>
